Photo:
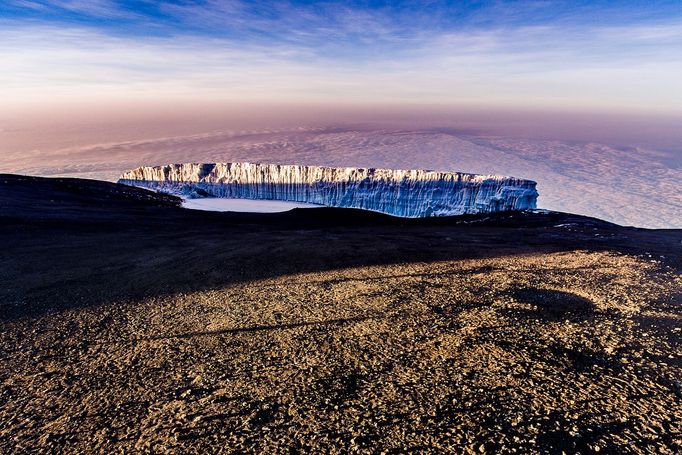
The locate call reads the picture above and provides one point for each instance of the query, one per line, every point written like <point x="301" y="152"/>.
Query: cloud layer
<point x="633" y="186"/>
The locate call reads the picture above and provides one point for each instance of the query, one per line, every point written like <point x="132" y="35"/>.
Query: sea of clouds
<point x="626" y="185"/>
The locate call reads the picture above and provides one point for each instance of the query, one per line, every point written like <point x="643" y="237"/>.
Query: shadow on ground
<point x="69" y="243"/>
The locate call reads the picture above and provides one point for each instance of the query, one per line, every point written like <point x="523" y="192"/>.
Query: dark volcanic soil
<point x="129" y="324"/>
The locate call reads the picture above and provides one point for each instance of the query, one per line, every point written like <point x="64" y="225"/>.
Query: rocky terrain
<point x="129" y="324"/>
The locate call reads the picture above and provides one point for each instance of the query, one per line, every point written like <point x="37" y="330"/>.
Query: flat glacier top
<point x="247" y="170"/>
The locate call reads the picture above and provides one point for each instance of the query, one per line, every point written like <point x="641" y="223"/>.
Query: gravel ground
<point x="178" y="338"/>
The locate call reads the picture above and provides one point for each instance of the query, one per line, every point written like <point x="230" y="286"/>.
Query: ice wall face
<point x="405" y="193"/>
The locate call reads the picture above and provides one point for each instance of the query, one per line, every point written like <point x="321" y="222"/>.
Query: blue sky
<point x="537" y="53"/>
<point x="312" y="21"/>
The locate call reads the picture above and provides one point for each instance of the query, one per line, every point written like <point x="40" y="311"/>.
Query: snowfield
<point x="215" y="204"/>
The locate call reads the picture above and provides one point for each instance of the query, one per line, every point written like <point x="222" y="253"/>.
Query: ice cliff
<point x="405" y="193"/>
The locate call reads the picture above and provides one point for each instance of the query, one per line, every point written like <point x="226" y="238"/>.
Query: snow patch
<point x="213" y="204"/>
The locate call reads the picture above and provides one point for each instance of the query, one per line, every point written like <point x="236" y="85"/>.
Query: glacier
<point x="403" y="193"/>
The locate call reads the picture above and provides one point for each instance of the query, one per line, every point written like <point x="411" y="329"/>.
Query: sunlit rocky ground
<point x="128" y="324"/>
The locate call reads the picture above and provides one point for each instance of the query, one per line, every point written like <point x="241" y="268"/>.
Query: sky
<point x="610" y="56"/>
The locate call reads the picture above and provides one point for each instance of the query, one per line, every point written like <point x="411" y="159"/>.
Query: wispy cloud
<point x="328" y="51"/>
<point x="95" y="8"/>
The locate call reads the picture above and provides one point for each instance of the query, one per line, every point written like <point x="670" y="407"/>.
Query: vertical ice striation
<point x="405" y="193"/>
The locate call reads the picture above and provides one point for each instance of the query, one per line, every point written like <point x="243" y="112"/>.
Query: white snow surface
<point x="214" y="204"/>
<point x="404" y="193"/>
